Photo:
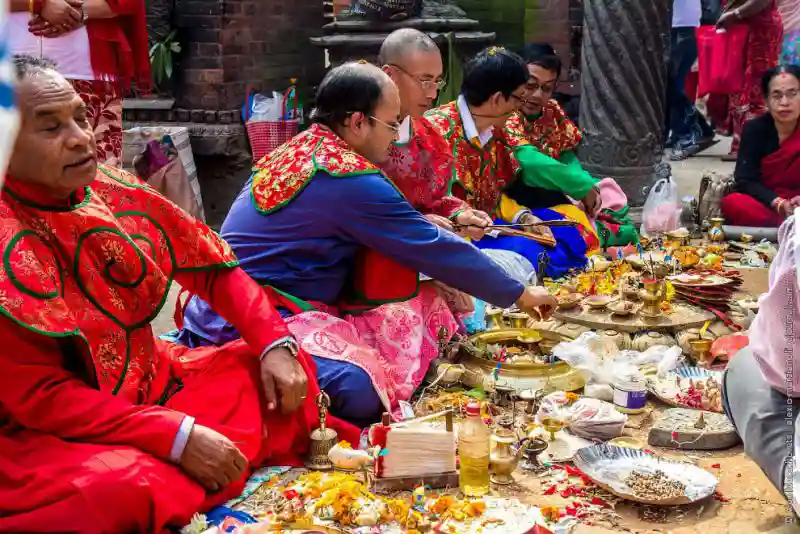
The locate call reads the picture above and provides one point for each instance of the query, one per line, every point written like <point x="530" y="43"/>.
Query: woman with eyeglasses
<point x="768" y="168"/>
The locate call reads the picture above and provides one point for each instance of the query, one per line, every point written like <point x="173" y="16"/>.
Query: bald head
<point x="400" y="44"/>
<point x="414" y="62"/>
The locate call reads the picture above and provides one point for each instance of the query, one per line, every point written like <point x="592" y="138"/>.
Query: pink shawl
<point x="777" y="345"/>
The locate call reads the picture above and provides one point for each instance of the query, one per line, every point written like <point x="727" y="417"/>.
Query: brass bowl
<point x="520" y="376"/>
<point x="567" y="302"/>
<point x="627" y="442"/>
<point x="598" y="302"/>
<point x="621" y="308"/>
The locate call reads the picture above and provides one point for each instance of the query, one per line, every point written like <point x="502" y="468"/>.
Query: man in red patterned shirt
<point x="421" y="164"/>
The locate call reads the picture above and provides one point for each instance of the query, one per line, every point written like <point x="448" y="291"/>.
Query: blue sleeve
<point x="367" y="209"/>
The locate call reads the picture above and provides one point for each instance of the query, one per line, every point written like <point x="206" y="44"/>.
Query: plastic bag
<point x="586" y="418"/>
<point x="662" y="209"/>
<point x="265" y="108"/>
<point x="515" y="265"/>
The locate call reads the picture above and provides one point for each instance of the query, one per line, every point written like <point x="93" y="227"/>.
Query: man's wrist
<point x="454" y="216"/>
<point x="181" y="439"/>
<point x="286" y="342"/>
<point x="35" y="6"/>
<point x="517" y="219"/>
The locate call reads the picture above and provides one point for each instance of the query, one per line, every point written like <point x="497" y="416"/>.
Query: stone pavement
<point x="753" y="506"/>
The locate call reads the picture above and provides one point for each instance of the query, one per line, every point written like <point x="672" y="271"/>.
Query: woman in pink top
<point x="762" y="382"/>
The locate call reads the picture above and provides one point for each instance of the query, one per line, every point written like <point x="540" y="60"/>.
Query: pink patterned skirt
<point x="394" y="344"/>
<point x="104" y="107"/>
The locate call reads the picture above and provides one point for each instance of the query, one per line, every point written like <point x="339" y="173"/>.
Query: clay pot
<point x="645" y="340"/>
<point x="621" y="339"/>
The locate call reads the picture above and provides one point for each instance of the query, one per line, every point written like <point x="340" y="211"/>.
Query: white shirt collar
<point x="404" y="132"/>
<point x="470" y="129"/>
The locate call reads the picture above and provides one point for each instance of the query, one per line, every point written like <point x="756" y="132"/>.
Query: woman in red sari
<point x="761" y="54"/>
<point x="768" y="169"/>
<point x="100" y="46"/>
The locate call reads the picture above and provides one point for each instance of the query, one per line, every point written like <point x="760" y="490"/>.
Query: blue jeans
<point x="685" y="125"/>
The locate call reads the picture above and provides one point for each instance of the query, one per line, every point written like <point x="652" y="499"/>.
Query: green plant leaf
<point x="168" y="66"/>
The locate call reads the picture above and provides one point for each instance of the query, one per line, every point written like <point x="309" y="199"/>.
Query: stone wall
<point x="232" y="44"/>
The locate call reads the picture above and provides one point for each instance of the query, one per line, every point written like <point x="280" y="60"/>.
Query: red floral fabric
<point x="101" y="269"/>
<point x="422" y="170"/>
<point x="104" y="107"/>
<point x="552" y="132"/>
<point x="480" y="173"/>
<point x="282" y="174"/>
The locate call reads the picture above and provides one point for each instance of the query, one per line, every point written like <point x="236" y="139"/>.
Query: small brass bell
<point x="322" y="439"/>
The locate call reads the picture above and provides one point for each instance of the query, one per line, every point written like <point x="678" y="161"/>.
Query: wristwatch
<point x="287" y="343"/>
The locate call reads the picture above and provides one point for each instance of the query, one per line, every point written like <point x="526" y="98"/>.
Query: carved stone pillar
<point x="623" y="90"/>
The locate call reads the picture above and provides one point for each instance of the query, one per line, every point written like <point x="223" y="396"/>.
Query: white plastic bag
<point x="662" y="209"/>
<point x="586" y="418"/>
<point x="267" y="108"/>
<point x="580" y="354"/>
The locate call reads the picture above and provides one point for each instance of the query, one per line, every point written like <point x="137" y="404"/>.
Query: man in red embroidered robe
<point x="102" y="427"/>
<point x="495" y="88"/>
<point x="420" y="163"/>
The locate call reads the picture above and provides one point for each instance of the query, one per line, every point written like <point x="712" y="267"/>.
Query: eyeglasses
<point x="393" y="127"/>
<point x="546" y="88"/>
<point x="788" y="95"/>
<point x="427" y="85"/>
<point x="520" y="99"/>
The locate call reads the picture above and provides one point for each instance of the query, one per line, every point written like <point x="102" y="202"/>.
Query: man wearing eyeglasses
<point x="320" y="221"/>
<point x="420" y="168"/>
<point x="472" y="129"/>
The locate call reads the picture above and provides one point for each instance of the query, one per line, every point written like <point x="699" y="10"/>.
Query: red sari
<point x="761" y="54"/>
<point x="90" y="401"/>
<point x="780" y="172"/>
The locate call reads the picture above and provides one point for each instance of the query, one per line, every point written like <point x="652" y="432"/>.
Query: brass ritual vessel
<point x="553" y="425"/>
<point x="518" y="319"/>
<point x="494" y="318"/>
<point x="322" y="439"/>
<point x="700" y="350"/>
<point x="652" y="295"/>
<point x="531" y="449"/>
<point x="503" y="459"/>
<point x="540" y="373"/>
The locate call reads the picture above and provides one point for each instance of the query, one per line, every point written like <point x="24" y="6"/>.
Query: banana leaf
<point x="454" y="74"/>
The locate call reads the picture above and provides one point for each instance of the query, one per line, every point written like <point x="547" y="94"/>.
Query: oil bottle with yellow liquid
<point x="473" y="453"/>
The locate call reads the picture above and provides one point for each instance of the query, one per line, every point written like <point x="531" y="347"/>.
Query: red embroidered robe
<point x="422" y="169"/>
<point x="90" y="401"/>
<point x="479" y="173"/>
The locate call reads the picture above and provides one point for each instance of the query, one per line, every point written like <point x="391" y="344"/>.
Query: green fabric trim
<point x="44" y="207"/>
<point x="300" y="303"/>
<point x="315" y="169"/>
<point x="13" y="277"/>
<point x="169" y="391"/>
<point x="455" y="215"/>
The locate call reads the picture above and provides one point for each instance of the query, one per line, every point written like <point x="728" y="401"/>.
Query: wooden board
<point x="684" y="316"/>
<point x="440" y="481"/>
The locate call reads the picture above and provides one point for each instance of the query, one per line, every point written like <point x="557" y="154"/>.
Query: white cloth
<point x="404" y="132"/>
<point x="9" y="120"/>
<point x="70" y="52"/>
<point x="686" y="13"/>
<point x="470" y="128"/>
